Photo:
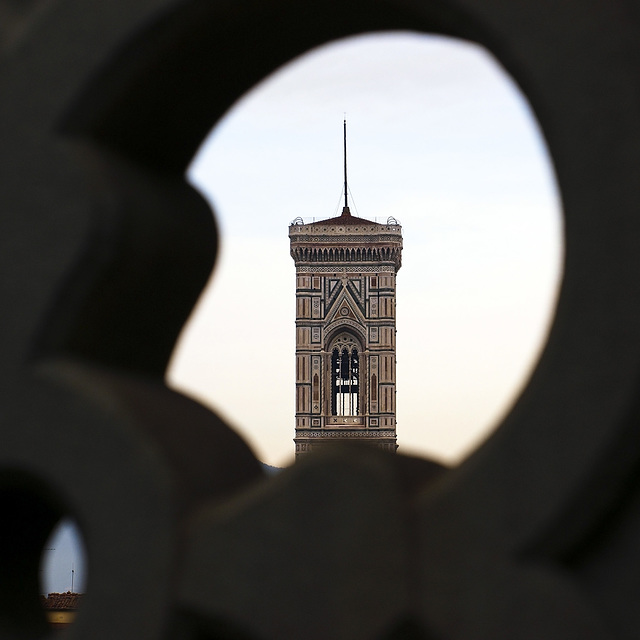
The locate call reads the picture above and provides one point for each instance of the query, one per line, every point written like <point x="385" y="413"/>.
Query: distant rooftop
<point x="62" y="601"/>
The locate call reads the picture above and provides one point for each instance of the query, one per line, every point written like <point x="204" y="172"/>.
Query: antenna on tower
<point x="345" y="211"/>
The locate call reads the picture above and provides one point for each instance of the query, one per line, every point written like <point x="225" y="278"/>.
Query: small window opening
<point x="63" y="573"/>
<point x="31" y="514"/>
<point x="345" y="382"/>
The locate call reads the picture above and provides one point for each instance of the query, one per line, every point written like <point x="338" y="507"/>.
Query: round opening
<point x="441" y="139"/>
<point x="30" y="515"/>
<point x="63" y="573"/>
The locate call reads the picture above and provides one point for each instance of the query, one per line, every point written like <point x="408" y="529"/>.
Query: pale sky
<point x="440" y="138"/>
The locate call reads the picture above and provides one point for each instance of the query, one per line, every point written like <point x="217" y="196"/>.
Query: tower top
<point x="355" y="224"/>
<point x="345" y="328"/>
<point x="345" y="218"/>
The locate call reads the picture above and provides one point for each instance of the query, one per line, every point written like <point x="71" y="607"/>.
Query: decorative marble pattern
<point x="340" y="302"/>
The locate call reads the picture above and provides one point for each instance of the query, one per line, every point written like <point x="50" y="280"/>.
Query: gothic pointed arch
<point x="345" y="351"/>
<point x="355" y="331"/>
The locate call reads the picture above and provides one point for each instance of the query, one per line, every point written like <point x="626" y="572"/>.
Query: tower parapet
<point x="346" y="239"/>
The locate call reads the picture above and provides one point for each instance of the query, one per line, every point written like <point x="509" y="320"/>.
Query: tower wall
<point x="345" y="331"/>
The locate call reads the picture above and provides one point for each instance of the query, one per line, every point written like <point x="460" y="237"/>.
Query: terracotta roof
<point x="344" y="219"/>
<point x="62" y="601"/>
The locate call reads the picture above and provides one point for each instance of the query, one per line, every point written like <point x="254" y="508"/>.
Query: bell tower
<point x="345" y="328"/>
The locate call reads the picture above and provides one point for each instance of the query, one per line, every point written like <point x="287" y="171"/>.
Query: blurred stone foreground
<point x="104" y="250"/>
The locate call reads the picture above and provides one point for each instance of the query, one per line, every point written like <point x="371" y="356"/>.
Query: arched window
<point x="345" y="381"/>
